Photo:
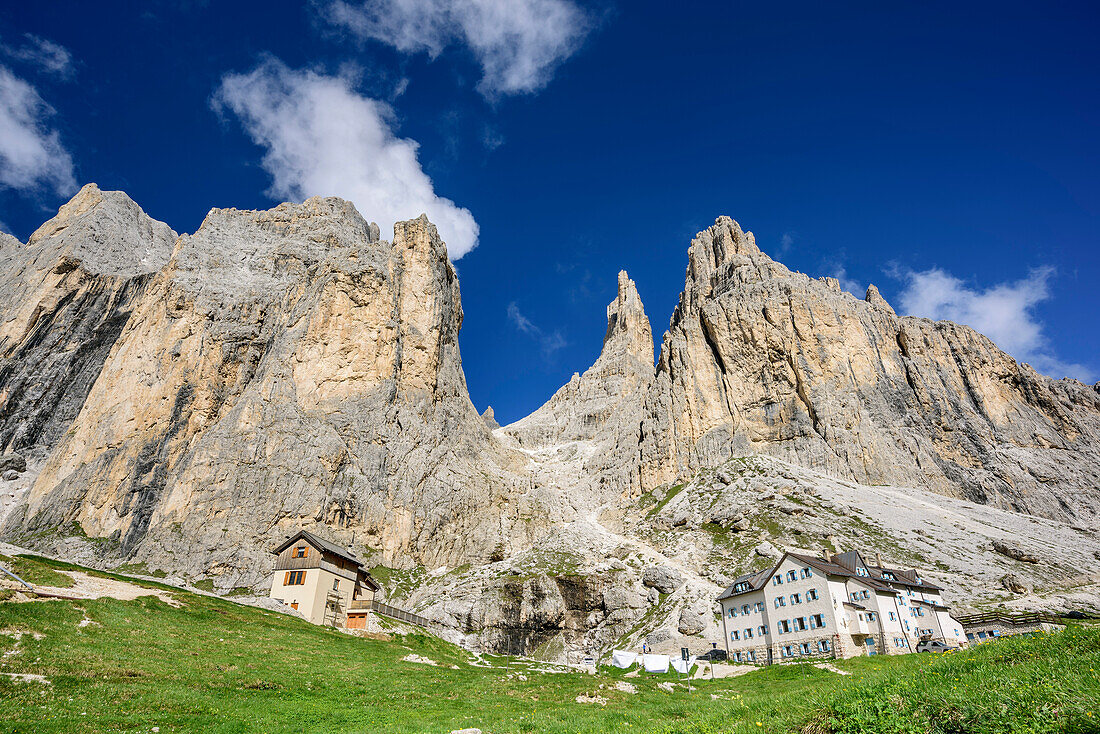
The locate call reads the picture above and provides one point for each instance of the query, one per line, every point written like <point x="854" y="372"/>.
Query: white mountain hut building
<point x="832" y="606"/>
<point x="327" y="584"/>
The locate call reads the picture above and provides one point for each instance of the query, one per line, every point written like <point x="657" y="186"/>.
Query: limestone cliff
<point x="195" y="399"/>
<point x="67" y="294"/>
<point x="760" y="359"/>
<point x="287" y="368"/>
<point x="602" y="407"/>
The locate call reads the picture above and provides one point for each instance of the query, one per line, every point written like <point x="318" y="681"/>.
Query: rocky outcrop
<point x="67" y="295"/>
<point x="759" y="359"/>
<point x="286" y="369"/>
<point x="186" y="405"/>
<point x="602" y="407"/>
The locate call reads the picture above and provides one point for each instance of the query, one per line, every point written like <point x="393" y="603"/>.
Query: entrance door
<point x="357" y="621"/>
<point x="871" y="646"/>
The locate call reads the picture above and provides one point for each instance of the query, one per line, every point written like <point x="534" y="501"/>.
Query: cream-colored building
<point x="832" y="606"/>
<point x="324" y="582"/>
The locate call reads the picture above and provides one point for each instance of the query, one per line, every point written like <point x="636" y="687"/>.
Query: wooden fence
<point x="400" y="614"/>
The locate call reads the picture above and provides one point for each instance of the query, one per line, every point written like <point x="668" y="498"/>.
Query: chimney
<point x="831" y="540"/>
<point x="826" y="554"/>
<point x="878" y="560"/>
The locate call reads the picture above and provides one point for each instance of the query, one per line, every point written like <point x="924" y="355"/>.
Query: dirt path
<point x="86" y="586"/>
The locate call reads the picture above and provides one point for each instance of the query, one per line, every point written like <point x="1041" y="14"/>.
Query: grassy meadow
<point x="211" y="665"/>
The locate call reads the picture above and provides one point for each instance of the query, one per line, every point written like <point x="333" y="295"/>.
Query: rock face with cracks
<point x="187" y="402"/>
<point x="759" y="359"/>
<point x="67" y="294"/>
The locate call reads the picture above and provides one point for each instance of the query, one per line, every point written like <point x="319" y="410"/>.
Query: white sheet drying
<point x="623" y="658"/>
<point x="655" y="663"/>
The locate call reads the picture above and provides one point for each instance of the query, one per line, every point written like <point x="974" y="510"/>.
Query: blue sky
<point x="948" y="155"/>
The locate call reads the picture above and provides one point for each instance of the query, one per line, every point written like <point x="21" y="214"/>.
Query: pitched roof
<point x="756" y="582"/>
<point x="321" y="543"/>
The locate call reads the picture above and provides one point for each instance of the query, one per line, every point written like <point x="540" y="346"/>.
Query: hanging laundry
<point x="623" y="658"/>
<point x="684" y="666"/>
<point x="655" y="663"/>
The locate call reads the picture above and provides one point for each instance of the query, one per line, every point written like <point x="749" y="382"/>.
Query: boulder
<point x="766" y="550"/>
<point x="693" y="620"/>
<point x="662" y="578"/>
<point x="10" y="475"/>
<point x="12" y="462"/>
<point x="1015" y="584"/>
<point x="1014" y="552"/>
<point x="657" y="637"/>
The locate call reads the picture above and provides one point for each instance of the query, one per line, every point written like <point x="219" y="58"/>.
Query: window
<point x="762" y="630"/>
<point x="860" y="617"/>
<point x="969" y="635"/>
<point x="294" y="578"/>
<point x="812" y="594"/>
<point x="823" y="645"/>
<point x="802" y="623"/>
<point x="336" y="584"/>
<point x="866" y="593"/>
<point x="759" y="606"/>
<point x="870" y="616"/>
<point x="888" y="576"/>
<point x="819" y="620"/>
<point x="731" y="612"/>
<point x="796" y="598"/>
<point x="892" y="617"/>
<point x="737" y="656"/>
<point x="782" y="626"/>
<point x="745" y="609"/>
<point x="780" y="602"/>
<point x="791" y="575"/>
<point x="748" y="633"/>
<point x="805" y="646"/>
<point x="735" y="635"/>
<point x="861" y="571"/>
<point x="300" y="552"/>
<point x="788" y="651"/>
<point x="750" y="655"/>
<point x="777" y="580"/>
<point x="806" y="573"/>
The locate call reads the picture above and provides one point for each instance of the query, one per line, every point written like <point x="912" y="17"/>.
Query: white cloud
<point x="1003" y="312"/>
<point x="848" y="283"/>
<point x="324" y="139"/>
<point x="518" y="43"/>
<point x="548" y="342"/>
<point x="31" y="153"/>
<point x="44" y="54"/>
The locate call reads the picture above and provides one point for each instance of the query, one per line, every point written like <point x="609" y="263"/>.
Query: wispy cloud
<point x="1003" y="312"/>
<point x="43" y="54"/>
<point x="323" y="138"/>
<point x="518" y="43"/>
<point x="31" y="154"/>
<point x="785" y="242"/>
<point x="549" y="342"/>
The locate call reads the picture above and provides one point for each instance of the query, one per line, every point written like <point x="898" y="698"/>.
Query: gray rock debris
<point x="662" y="578"/>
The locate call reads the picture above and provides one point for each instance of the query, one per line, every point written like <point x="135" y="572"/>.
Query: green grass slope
<point x="213" y="666"/>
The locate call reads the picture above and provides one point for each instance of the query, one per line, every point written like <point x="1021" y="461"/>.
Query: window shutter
<point x="286" y="579"/>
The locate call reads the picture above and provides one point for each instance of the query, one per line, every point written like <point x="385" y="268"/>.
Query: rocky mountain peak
<point x="107" y="233"/>
<point x="628" y="334"/>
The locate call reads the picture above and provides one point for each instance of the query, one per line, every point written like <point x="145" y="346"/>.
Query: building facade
<point x="832" y="606"/>
<point x="324" y="582"/>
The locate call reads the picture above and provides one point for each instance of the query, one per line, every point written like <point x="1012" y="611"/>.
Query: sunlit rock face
<point x="185" y="402"/>
<point x="65" y="296"/>
<point x="284" y="368"/>
<point x="760" y="359"/>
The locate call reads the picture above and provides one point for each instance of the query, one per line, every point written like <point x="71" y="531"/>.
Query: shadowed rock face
<point x="760" y="359"/>
<point x="285" y="369"/>
<point x="68" y="294"/>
